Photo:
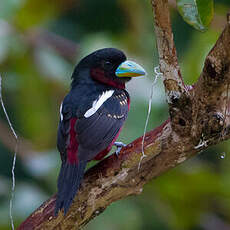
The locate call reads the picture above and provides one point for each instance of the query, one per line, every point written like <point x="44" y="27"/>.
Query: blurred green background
<point x="40" y="42"/>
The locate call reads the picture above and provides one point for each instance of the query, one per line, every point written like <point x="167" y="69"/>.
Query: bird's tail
<point x="68" y="184"/>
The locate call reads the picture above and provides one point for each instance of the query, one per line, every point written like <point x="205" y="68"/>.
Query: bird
<point x="92" y="115"/>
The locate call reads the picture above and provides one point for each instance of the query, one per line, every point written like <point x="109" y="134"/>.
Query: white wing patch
<point x="61" y="115"/>
<point x="98" y="103"/>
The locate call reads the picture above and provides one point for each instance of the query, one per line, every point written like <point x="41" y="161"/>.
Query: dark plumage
<point x="91" y="116"/>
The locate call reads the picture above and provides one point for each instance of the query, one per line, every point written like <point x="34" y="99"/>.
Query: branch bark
<point x="199" y="117"/>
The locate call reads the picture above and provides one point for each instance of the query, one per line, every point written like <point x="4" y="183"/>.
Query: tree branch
<point x="64" y="47"/>
<point x="177" y="94"/>
<point x="198" y="119"/>
<point x="166" y="48"/>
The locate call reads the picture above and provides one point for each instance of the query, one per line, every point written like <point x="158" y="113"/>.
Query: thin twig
<point x="157" y="75"/>
<point x="15" y="155"/>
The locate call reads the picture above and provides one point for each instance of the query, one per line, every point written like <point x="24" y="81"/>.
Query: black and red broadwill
<point x="91" y="116"/>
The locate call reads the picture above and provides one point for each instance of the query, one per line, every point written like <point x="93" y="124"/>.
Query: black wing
<point x="98" y="131"/>
<point x="63" y="130"/>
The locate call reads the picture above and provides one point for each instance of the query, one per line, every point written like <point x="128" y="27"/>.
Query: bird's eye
<point x="107" y="64"/>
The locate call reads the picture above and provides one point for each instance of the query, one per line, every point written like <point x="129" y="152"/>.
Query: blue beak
<point x="129" y="69"/>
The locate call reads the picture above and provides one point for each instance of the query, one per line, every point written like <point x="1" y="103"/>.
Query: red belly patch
<point x="72" y="144"/>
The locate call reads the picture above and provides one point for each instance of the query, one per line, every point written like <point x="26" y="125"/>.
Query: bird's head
<point x="108" y="66"/>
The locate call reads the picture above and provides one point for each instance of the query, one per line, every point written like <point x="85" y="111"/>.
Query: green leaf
<point x="206" y="10"/>
<point x="197" y="13"/>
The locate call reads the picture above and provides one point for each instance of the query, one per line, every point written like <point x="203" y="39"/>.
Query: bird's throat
<point x="99" y="75"/>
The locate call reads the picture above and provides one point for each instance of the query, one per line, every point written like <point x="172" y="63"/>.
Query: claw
<point x="119" y="146"/>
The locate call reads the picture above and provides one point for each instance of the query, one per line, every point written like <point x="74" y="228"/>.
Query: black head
<point x="102" y="66"/>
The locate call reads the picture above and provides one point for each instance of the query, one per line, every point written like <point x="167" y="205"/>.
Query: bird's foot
<point x="119" y="146"/>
